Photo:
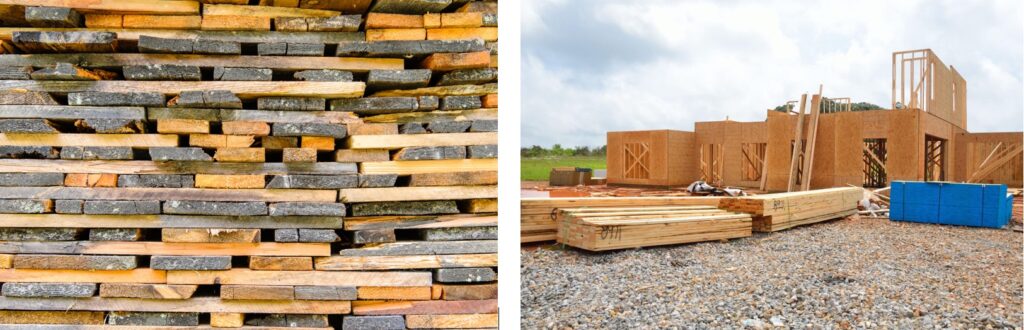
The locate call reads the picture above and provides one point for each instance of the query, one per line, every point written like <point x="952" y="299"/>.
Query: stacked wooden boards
<point x="290" y="164"/>
<point x="611" y="228"/>
<point x="774" y="212"/>
<point x="537" y="217"/>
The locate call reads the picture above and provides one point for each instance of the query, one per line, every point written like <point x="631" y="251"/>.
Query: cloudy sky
<point x="592" y="66"/>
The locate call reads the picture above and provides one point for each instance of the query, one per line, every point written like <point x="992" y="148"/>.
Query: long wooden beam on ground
<point x="164" y="221"/>
<point x="421" y="140"/>
<point x="243" y="89"/>
<point x="170" y="249"/>
<point x="132" y="35"/>
<point x="182" y="167"/>
<point x="116" y="60"/>
<point x="258" y="277"/>
<point x="155" y="7"/>
<point x="416" y="193"/>
<point x="170" y="194"/>
<point x="89" y="140"/>
<point x="428" y="166"/>
<point x="200" y="305"/>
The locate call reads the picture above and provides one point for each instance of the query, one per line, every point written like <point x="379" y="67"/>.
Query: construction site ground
<point x="849" y="273"/>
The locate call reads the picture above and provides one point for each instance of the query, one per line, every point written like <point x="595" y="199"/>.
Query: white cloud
<point x="596" y="66"/>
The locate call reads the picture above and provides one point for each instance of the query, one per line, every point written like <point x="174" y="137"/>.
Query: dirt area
<point x="850" y="273"/>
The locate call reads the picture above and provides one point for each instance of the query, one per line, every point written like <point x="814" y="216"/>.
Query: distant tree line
<point x="830" y="104"/>
<point x="557" y="150"/>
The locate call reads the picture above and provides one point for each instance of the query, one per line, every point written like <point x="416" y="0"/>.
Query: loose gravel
<point x="850" y="273"/>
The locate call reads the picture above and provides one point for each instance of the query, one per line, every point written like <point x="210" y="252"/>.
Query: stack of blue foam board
<point x="962" y="204"/>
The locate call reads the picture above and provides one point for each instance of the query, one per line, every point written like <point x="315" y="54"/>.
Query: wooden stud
<point x="393" y="21"/>
<point x="103" y="21"/>
<point x="243" y="155"/>
<point x="89" y="140"/>
<point x="161" y="7"/>
<point x="221" y="141"/>
<point x="421" y="140"/>
<point x="227" y="320"/>
<point x="235" y="23"/>
<point x="242" y="89"/>
<point x="395" y="34"/>
<point x="90" y="180"/>
<point x="209" y="235"/>
<point x="428" y="166"/>
<point x="147" y="291"/>
<point x="416" y="193"/>
<point x="162" y="22"/>
<point x="319" y="143"/>
<point x="299" y="155"/>
<point x="280" y="263"/>
<point x="456" y="61"/>
<point x="226" y="181"/>
<point x="254" y="128"/>
<point x="394" y="293"/>
<point x="462" y="20"/>
<point x="485" y="33"/>
<point x="183" y="126"/>
<point x="243" y="61"/>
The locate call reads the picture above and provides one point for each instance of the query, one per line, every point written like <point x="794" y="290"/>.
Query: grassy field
<point x="537" y="169"/>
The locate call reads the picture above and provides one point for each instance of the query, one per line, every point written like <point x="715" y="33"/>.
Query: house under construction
<point x="921" y="137"/>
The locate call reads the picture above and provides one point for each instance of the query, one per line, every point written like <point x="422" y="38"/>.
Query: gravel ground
<point x="851" y="273"/>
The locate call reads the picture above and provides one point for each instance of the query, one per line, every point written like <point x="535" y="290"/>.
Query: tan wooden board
<point x="245" y="90"/>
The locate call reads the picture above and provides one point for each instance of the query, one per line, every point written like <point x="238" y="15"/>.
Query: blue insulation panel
<point x="961" y="204"/>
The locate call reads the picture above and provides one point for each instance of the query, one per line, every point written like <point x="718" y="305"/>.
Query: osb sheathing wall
<point x="973" y="148"/>
<point x="731" y="135"/>
<point x="672" y="157"/>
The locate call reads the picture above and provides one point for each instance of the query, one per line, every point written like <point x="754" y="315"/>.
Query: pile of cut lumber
<point x="537" y="217"/>
<point x="237" y="163"/>
<point x="611" y="228"/>
<point x="774" y="212"/>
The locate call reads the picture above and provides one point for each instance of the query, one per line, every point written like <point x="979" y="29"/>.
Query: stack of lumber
<point x="774" y="212"/>
<point x="260" y="164"/>
<point x="611" y="228"/>
<point x="537" y="217"/>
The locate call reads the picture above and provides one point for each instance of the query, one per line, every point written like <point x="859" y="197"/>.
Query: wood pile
<point x="612" y="228"/>
<point x="774" y="212"/>
<point x="538" y="215"/>
<point x="258" y="164"/>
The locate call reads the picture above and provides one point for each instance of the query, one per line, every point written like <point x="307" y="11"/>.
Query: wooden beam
<point x="143" y="275"/>
<point x="150" y="167"/>
<point x="429" y="116"/>
<point x="356" y="64"/>
<point x="195" y="305"/>
<point x="405" y="262"/>
<point x="421" y="140"/>
<point x="165" y="221"/>
<point x="89" y="140"/>
<point x="132" y="35"/>
<point x="262" y="277"/>
<point x="416" y="193"/>
<point x="425" y="166"/>
<point x="168" y="249"/>
<point x="812" y="136"/>
<point x="797" y="144"/>
<point x="243" y="89"/>
<point x="155" y="7"/>
<point x="433" y="307"/>
<point x="165" y="194"/>
<point x="71" y="112"/>
<point x="264" y="11"/>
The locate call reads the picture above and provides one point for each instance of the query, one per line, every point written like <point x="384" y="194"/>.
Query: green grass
<point x="537" y="169"/>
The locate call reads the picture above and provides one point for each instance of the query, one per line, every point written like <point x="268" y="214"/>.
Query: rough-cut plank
<point x="164" y="221"/>
<point x="394" y="293"/>
<point x="406" y="262"/>
<point x="257" y="292"/>
<point x="280" y="263"/>
<point x="235" y="36"/>
<point x="209" y="235"/>
<point x="411" y="248"/>
<point x="170" y="249"/>
<point x="473" y="321"/>
<point x="264" y="11"/>
<point x="147" y="291"/>
<point x="235" y="23"/>
<point x="227" y="320"/>
<point x="420" y="140"/>
<point x="419" y="222"/>
<point x="420" y="117"/>
<point x="427" y="166"/>
<point x="156" y="7"/>
<point x="454" y="178"/>
<point x="243" y="89"/>
<point x="417" y="193"/>
<point x="84" y="276"/>
<point x="438" y="307"/>
<point x="175" y="22"/>
<point x="88" y="140"/>
<point x="65" y="42"/>
<point x="61" y="318"/>
<point x="34" y="261"/>
<point x="206" y="61"/>
<point x="195" y="305"/>
<point x="479" y="90"/>
<point x="193" y="194"/>
<point x="252" y="115"/>
<point x="256" y="277"/>
<point x="149" y="167"/>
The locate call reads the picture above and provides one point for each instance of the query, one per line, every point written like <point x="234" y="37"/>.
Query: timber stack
<point x="775" y="212"/>
<point x="612" y="228"/>
<point x="260" y="164"/>
<point x="539" y="216"/>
